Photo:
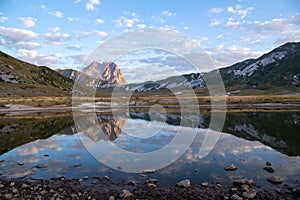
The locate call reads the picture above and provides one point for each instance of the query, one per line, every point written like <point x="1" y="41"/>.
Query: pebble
<point x="268" y="163"/>
<point x="12" y="184"/>
<point x="184" y="183"/>
<point x="41" y="166"/>
<point x="2" y="186"/>
<point x="196" y="170"/>
<point x="8" y="196"/>
<point x="151" y="180"/>
<point x="236" y="197"/>
<point x="149" y="171"/>
<point x="111" y="198"/>
<point x="205" y="184"/>
<point x="230" y="168"/>
<point x="269" y="169"/>
<point x="233" y="189"/>
<point x="142" y="175"/>
<point x="106" y="178"/>
<point x="244" y="182"/>
<point x="14" y="190"/>
<point x="86" y="177"/>
<point x="77" y="165"/>
<point x="245" y="188"/>
<point x="249" y="194"/>
<point x="20" y="164"/>
<point x="132" y="182"/>
<point x="125" y="194"/>
<point x="275" y="180"/>
<point x="151" y="185"/>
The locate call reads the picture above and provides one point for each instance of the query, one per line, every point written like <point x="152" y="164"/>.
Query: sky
<point x="59" y="34"/>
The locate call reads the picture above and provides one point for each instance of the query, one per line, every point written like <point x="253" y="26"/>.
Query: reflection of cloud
<point x="33" y="148"/>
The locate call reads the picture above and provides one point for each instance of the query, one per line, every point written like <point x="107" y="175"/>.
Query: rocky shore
<point x="104" y="188"/>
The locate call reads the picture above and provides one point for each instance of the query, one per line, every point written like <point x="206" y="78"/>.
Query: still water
<point x="248" y="140"/>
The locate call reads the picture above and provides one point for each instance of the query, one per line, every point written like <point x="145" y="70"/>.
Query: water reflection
<point x="250" y="139"/>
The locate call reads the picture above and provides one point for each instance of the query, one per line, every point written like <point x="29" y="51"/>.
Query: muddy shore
<point x="101" y="188"/>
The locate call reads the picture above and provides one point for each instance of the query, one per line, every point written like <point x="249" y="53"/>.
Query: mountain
<point x="97" y="75"/>
<point x="19" y="78"/>
<point x="275" y="72"/>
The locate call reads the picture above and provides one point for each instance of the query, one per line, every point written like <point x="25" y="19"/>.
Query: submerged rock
<point x="205" y="184"/>
<point x="41" y="166"/>
<point x="244" y="182"/>
<point x="275" y="180"/>
<point x="149" y="171"/>
<point x="230" y="168"/>
<point x="151" y="180"/>
<point x="184" y="184"/>
<point x="268" y="163"/>
<point x="269" y="169"/>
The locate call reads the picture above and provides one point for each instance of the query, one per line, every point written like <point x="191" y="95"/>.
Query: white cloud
<point x="70" y="19"/>
<point x="28" y="22"/>
<point x="3" y="19"/>
<point x="99" y="21"/>
<point x="56" y="14"/>
<point x="216" y="10"/>
<point x="127" y="22"/>
<point x="215" y="22"/>
<point x="32" y="56"/>
<point x="224" y="56"/>
<point x="77" y="1"/>
<point x="141" y="25"/>
<point x="74" y="47"/>
<point x="28" y="45"/>
<point x="16" y="35"/>
<point x="231" y="10"/>
<point x="90" y="5"/>
<point x="56" y="38"/>
<point x="43" y="7"/>
<point x="185" y="27"/>
<point x="274" y="26"/>
<point x="54" y="29"/>
<point x="167" y="13"/>
<point x="101" y="33"/>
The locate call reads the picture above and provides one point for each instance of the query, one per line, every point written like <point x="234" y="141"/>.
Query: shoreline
<point x="62" y="108"/>
<point x="101" y="188"/>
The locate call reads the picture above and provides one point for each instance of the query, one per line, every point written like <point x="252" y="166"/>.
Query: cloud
<point x="74" y="47"/>
<point x="56" y="38"/>
<point x="216" y="10"/>
<point x="57" y="14"/>
<point x="90" y="5"/>
<point x="215" y="22"/>
<point x="99" y="21"/>
<point x="77" y="59"/>
<point x="101" y="33"/>
<point x="168" y="13"/>
<point x="54" y="29"/>
<point x="43" y="7"/>
<point x="127" y="22"/>
<point x="225" y="56"/>
<point x="28" y="45"/>
<point x="28" y="22"/>
<point x="14" y="35"/>
<point x="3" y="19"/>
<point x="32" y="56"/>
<point x="274" y="26"/>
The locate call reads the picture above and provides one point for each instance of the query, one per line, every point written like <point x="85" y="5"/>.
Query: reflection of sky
<point x="67" y="150"/>
<point x="151" y="65"/>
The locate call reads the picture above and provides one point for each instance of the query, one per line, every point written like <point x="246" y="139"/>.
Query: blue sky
<point x="59" y="34"/>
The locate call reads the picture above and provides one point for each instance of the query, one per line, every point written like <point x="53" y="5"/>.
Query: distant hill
<point x="19" y="78"/>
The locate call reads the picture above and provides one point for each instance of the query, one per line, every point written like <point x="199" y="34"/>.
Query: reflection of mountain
<point x="18" y="131"/>
<point x="278" y="130"/>
<point x="108" y="128"/>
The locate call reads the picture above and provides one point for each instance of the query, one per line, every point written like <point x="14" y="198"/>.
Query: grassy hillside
<point x="21" y="79"/>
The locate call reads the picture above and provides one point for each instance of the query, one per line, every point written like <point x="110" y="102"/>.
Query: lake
<point x="123" y="144"/>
